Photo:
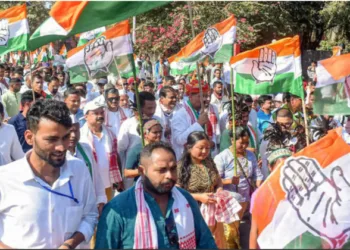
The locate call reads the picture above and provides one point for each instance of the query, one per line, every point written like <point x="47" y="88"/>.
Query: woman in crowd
<point x="198" y="175"/>
<point x="248" y="176"/>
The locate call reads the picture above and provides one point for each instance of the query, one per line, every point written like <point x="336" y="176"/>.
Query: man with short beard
<point x="52" y="89"/>
<point x="218" y="97"/>
<point x="72" y="100"/>
<point x="103" y="143"/>
<point x="154" y="213"/>
<point x="47" y="201"/>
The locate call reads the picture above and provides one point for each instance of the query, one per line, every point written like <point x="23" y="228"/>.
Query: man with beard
<point x="46" y="200"/>
<point x="52" y="89"/>
<point x="37" y="86"/>
<point x="154" y="213"/>
<point x="72" y="100"/>
<point x="166" y="108"/>
<point x="103" y="144"/>
<point x="12" y="98"/>
<point x="114" y="115"/>
<point x="217" y="97"/>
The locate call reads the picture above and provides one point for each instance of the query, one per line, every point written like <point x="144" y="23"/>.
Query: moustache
<point x="100" y="119"/>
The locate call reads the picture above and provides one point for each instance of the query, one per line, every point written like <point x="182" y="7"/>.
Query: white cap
<point x="278" y="97"/>
<point x="93" y="105"/>
<point x="122" y="92"/>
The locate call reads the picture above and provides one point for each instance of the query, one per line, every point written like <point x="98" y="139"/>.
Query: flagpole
<point x="233" y="123"/>
<point x="138" y="101"/>
<point x="197" y="66"/>
<point x="31" y="76"/>
<point x="305" y="123"/>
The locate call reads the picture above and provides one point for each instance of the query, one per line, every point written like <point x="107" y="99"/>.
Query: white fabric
<point x="24" y="88"/>
<point x="131" y="96"/>
<point x="9" y="143"/>
<point x="114" y="119"/>
<point x="181" y="127"/>
<point x="218" y="103"/>
<point x="96" y="177"/>
<point x="32" y="217"/>
<point x="57" y="97"/>
<point x="100" y="99"/>
<point x="102" y="147"/>
<point x="93" y="105"/>
<point x="145" y="234"/>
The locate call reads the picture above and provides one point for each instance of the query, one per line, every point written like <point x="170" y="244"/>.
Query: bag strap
<point x="245" y="176"/>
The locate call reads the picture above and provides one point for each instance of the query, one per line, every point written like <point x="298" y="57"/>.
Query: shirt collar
<point x="27" y="174"/>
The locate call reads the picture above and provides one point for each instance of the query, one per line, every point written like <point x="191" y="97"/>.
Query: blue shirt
<point x="20" y="124"/>
<point x="262" y="118"/>
<point x="116" y="226"/>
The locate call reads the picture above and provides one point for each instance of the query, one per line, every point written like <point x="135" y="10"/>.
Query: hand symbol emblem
<point x="264" y="70"/>
<point x="322" y="203"/>
<point x="4" y="32"/>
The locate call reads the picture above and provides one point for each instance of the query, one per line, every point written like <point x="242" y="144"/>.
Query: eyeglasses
<point x="113" y="99"/>
<point x="170" y="231"/>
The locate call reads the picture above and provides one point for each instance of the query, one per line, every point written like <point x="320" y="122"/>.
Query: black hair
<point x="286" y="97"/>
<point x="71" y="91"/>
<point x="18" y="71"/>
<point x="166" y="89"/>
<point x="217" y="70"/>
<point x="52" y="110"/>
<point x="27" y="96"/>
<point x="2" y="109"/>
<point x="283" y="112"/>
<point x="185" y="170"/>
<point x="248" y="98"/>
<point x="54" y="78"/>
<point x="239" y="132"/>
<point x="2" y="66"/>
<point x="37" y="76"/>
<point x="145" y="96"/>
<point x="148" y="150"/>
<point x="149" y="84"/>
<point x="263" y="98"/>
<point x="169" y="78"/>
<point x="216" y="83"/>
<point x="111" y="91"/>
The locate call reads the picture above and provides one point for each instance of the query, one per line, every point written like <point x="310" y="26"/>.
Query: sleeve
<point x="219" y="163"/>
<point x="16" y="148"/>
<point x="204" y="238"/>
<point x="90" y="213"/>
<point x="257" y="174"/>
<point x="109" y="229"/>
<point x="180" y="129"/>
<point x="132" y="157"/>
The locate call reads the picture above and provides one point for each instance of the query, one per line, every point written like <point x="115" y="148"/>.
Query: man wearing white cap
<point x="278" y="101"/>
<point x="103" y="143"/>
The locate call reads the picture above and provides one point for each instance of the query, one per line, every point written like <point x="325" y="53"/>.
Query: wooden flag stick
<point x="305" y="123"/>
<point x="233" y="123"/>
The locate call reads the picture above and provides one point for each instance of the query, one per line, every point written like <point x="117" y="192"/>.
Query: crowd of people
<point x="82" y="166"/>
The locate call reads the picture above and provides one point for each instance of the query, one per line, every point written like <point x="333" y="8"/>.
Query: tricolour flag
<point x="332" y="70"/>
<point x="82" y="16"/>
<point x="50" y="51"/>
<point x="63" y="51"/>
<point x="110" y="53"/>
<point x="85" y="37"/>
<point x="215" y="42"/>
<point x="42" y="57"/>
<point x="14" y="29"/>
<point x="305" y="202"/>
<point x="269" y="69"/>
<point x="336" y="50"/>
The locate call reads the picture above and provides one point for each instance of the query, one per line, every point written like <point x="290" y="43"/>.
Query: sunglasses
<point x="170" y="231"/>
<point x="113" y="99"/>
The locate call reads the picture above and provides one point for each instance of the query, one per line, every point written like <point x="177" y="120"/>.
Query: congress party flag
<point x="50" y="51"/>
<point x="269" y="69"/>
<point x="111" y="53"/>
<point x="82" y="16"/>
<point x="305" y="202"/>
<point x="332" y="70"/>
<point x="34" y="56"/>
<point x="42" y="57"/>
<point x="14" y="30"/>
<point x="336" y="50"/>
<point x="216" y="42"/>
<point x="85" y="37"/>
<point x="63" y="51"/>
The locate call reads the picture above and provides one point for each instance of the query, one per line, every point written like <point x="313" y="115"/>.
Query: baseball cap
<point x="93" y="105"/>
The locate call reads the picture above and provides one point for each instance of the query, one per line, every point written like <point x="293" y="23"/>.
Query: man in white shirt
<point x="10" y="147"/>
<point x="115" y="115"/>
<point x="103" y="144"/>
<point x="83" y="152"/>
<point x="101" y="83"/>
<point x="52" y="89"/>
<point x="218" y="97"/>
<point x="124" y="99"/>
<point x="27" y="83"/>
<point x="166" y="108"/>
<point x="46" y="200"/>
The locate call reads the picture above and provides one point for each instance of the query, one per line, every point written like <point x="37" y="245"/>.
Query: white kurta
<point x="10" y="147"/>
<point x="113" y="119"/>
<point x="96" y="177"/>
<point x="33" y="217"/>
